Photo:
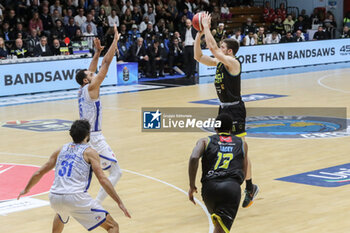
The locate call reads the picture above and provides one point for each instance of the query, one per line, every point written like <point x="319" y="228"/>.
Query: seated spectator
<point x="138" y="53"/>
<point x="320" y="34"/>
<point x="219" y="34"/>
<point x="18" y="29"/>
<point x="282" y="12"/>
<point x="215" y="17"/>
<point x="12" y="19"/>
<point x="107" y="7"/>
<point x="127" y="19"/>
<point x="306" y="18"/>
<point x="56" y="16"/>
<point x="47" y="21"/>
<point x="278" y="26"/>
<point x="124" y="33"/>
<point x="134" y="33"/>
<point x="42" y="49"/>
<point x="288" y="23"/>
<point x="287" y="38"/>
<point x="346" y="20"/>
<point x="5" y="32"/>
<point x="248" y="27"/>
<point x="71" y="28"/>
<point x="19" y="50"/>
<point x="299" y="37"/>
<point x="36" y="23"/>
<point x="225" y="12"/>
<point x="249" y="39"/>
<point x="269" y="13"/>
<point x="3" y="49"/>
<point x="237" y="36"/>
<point x="58" y="31"/>
<point x="137" y="15"/>
<point x="148" y="34"/>
<point x="155" y="54"/>
<point x="143" y="24"/>
<point x="32" y="41"/>
<point x="113" y="19"/>
<point x="69" y="6"/>
<point x="80" y="18"/>
<point x="345" y="33"/>
<point x="78" y="35"/>
<point x="89" y="36"/>
<point x="115" y="5"/>
<point x="273" y="38"/>
<point x="300" y="24"/>
<point x="102" y="22"/>
<point x="89" y="18"/>
<point x="56" y="48"/>
<point x="151" y="15"/>
<point x="57" y="6"/>
<point x="330" y="25"/>
<point x="260" y="36"/>
<point x="175" y="55"/>
<point x="127" y="6"/>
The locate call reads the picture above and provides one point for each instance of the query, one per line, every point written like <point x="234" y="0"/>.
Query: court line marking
<point x="319" y="81"/>
<point x="211" y="226"/>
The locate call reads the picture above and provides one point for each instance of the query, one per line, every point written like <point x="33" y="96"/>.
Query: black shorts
<point x="222" y="199"/>
<point x="238" y="114"/>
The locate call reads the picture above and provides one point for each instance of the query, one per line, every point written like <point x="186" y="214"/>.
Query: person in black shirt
<point x="320" y="34"/>
<point x="42" y="49"/>
<point x="175" y="54"/>
<point x="137" y="53"/>
<point x="19" y="50"/>
<point x="298" y="37"/>
<point x="228" y="88"/>
<point x="300" y="24"/>
<point x="345" y="33"/>
<point x="287" y="38"/>
<point x="155" y="54"/>
<point x="224" y="167"/>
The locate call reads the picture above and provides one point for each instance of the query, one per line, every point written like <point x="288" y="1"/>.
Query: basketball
<point x="197" y="22"/>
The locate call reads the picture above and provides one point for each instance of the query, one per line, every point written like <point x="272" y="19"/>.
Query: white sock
<point x="115" y="173"/>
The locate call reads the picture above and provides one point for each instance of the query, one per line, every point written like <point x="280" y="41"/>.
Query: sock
<point x="249" y="185"/>
<point x="115" y="173"/>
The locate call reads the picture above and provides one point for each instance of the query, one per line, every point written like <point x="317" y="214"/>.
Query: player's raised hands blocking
<point x="206" y="20"/>
<point x="97" y="44"/>
<point x="116" y="33"/>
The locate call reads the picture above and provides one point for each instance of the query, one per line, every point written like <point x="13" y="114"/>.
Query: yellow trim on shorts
<point x="218" y="218"/>
<point x="241" y="134"/>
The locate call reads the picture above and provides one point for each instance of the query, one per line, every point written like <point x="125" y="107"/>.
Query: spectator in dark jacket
<point x="287" y="38"/>
<point x="42" y="49"/>
<point x="175" y="54"/>
<point x="155" y="53"/>
<point x="32" y="41"/>
<point x="298" y="36"/>
<point x="137" y="53"/>
<point x="19" y="50"/>
<point x="345" y="33"/>
<point x="320" y="34"/>
<point x="300" y="24"/>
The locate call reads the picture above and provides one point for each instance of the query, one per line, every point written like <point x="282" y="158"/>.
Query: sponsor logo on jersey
<point x="328" y="177"/>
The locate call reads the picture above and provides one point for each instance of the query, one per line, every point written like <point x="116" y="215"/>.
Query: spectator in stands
<point x="138" y="54"/>
<point x="67" y="17"/>
<point x="225" y="12"/>
<point x="32" y="41"/>
<point x="273" y="38"/>
<point x="127" y="19"/>
<point x="123" y="32"/>
<point x="299" y="36"/>
<point x="306" y="18"/>
<point x="78" y="35"/>
<point x="155" y="54"/>
<point x="12" y="19"/>
<point x="56" y="16"/>
<point x="3" y="49"/>
<point x="248" y="27"/>
<point x="178" y="36"/>
<point x="278" y="26"/>
<point x="260" y="36"/>
<point x="288" y="23"/>
<point x="102" y="22"/>
<point x="300" y="24"/>
<point x="282" y="12"/>
<point x="345" y="33"/>
<point x="83" y="27"/>
<point x="80" y="18"/>
<point x="47" y="21"/>
<point x="160" y="27"/>
<point x="215" y="17"/>
<point x="151" y="15"/>
<point x="148" y="34"/>
<point x="320" y="34"/>
<point x="134" y="33"/>
<point x="36" y="23"/>
<point x="106" y="7"/>
<point x="219" y="34"/>
<point x="56" y="6"/>
<point x="143" y="24"/>
<point x="18" y="29"/>
<point x="187" y="4"/>
<point x="69" y="6"/>
<point x="269" y="13"/>
<point x="175" y="55"/>
<point x="127" y="6"/>
<point x="188" y="37"/>
<point x="137" y="15"/>
<point x="19" y="50"/>
<point x="71" y="28"/>
<point x="249" y="39"/>
<point x="330" y="25"/>
<point x="42" y="49"/>
<point x="346" y="20"/>
<point x="58" y="31"/>
<point x="56" y="48"/>
<point x="89" y="36"/>
<point x="21" y="8"/>
<point x="5" y="32"/>
<point x="287" y="38"/>
<point x="238" y="36"/>
<point x="112" y="19"/>
<point x="173" y="9"/>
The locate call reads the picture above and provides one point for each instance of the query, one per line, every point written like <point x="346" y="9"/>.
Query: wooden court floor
<point x="155" y="182"/>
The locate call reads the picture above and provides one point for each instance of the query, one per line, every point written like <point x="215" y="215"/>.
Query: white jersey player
<point x="91" y="110"/>
<point x="74" y="164"/>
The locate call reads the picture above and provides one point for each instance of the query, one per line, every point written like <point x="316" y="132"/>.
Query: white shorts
<point x="98" y="142"/>
<point x="81" y="207"/>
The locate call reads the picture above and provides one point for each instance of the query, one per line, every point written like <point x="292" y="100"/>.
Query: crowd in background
<point x="154" y="33"/>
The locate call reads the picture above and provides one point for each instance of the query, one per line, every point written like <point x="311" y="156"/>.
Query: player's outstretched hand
<point x="190" y="194"/>
<point x="97" y="44"/>
<point x="206" y="20"/>
<point x="116" y="33"/>
<point x="23" y="192"/>
<point x="126" y="212"/>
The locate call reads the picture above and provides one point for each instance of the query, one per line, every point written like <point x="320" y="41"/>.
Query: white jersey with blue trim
<point x="89" y="109"/>
<point x="73" y="174"/>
